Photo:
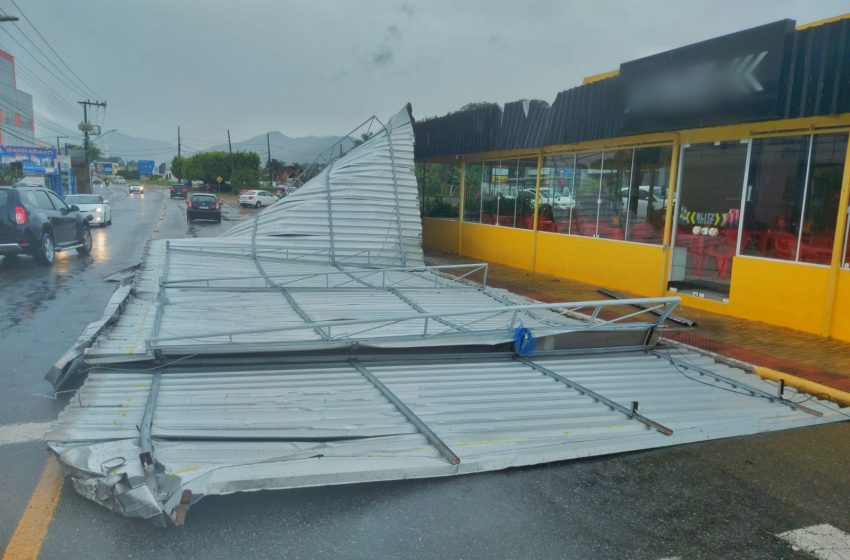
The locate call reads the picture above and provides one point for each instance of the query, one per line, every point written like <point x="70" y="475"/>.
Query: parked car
<point x="203" y="206"/>
<point x="179" y="191"/>
<point x="98" y="209"/>
<point x="120" y="181"/>
<point x="136" y="188"/>
<point x="37" y="222"/>
<point x="256" y="198"/>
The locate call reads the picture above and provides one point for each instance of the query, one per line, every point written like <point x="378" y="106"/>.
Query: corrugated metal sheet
<point x="363" y="208"/>
<point x="271" y="361"/>
<point x="816" y="82"/>
<point x="218" y="431"/>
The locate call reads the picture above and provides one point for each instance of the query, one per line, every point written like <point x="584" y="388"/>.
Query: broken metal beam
<point x="675" y="318"/>
<point x="631" y="411"/>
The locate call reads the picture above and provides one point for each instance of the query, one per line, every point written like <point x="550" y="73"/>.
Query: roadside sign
<point x="146" y="166"/>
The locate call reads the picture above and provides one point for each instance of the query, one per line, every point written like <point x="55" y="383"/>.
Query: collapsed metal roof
<point x="312" y="346"/>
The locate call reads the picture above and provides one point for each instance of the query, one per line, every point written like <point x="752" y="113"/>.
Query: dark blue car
<point x="35" y="221"/>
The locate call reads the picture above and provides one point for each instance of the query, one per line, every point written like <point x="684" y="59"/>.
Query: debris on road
<point x="311" y="346"/>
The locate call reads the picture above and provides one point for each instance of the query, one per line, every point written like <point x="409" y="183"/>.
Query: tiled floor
<point x="823" y="360"/>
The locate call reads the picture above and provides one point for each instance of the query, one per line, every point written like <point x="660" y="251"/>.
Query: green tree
<point x="245" y="177"/>
<point x="177" y="166"/>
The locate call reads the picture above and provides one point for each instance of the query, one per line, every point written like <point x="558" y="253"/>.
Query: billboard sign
<point x="734" y="78"/>
<point x="25" y="151"/>
<point x="32" y="168"/>
<point x="103" y="168"/>
<point x="146" y="167"/>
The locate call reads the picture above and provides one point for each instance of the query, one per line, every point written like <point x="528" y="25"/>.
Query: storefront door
<point x="708" y="212"/>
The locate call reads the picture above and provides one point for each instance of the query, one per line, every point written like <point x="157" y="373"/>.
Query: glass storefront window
<point x="496" y="190"/>
<point x="557" y="193"/>
<point x="822" y="196"/>
<point x="588" y="179"/>
<point x="774" y="197"/>
<point x="472" y="182"/>
<point x="501" y="192"/>
<point x="439" y="187"/>
<point x="646" y="203"/>
<point x="526" y="185"/>
<point x="616" y="178"/>
<point x="706" y="234"/>
<point x="789" y="215"/>
<point x="618" y="194"/>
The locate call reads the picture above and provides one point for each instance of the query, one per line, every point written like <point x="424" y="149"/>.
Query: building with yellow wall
<point x="717" y="171"/>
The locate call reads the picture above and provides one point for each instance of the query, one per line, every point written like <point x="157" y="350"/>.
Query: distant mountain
<point x="285" y="148"/>
<point x="135" y="148"/>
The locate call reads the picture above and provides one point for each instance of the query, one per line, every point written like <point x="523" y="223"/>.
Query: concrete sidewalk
<point x="813" y="358"/>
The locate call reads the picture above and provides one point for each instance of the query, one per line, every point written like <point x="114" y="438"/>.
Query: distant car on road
<point x="179" y="191"/>
<point x="35" y="221"/>
<point x="257" y="199"/>
<point x="98" y="209"/>
<point x="135" y="188"/>
<point x="203" y="206"/>
<point x="120" y="181"/>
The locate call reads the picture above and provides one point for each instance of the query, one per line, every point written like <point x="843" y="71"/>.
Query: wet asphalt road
<point x="723" y="499"/>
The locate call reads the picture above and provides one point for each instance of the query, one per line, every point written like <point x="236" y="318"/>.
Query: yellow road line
<point x="26" y="541"/>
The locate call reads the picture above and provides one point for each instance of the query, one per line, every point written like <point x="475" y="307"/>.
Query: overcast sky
<point x="321" y="67"/>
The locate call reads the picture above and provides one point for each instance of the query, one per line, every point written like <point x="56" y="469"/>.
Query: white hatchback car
<point x="257" y="199"/>
<point x="94" y="205"/>
<point x="136" y="188"/>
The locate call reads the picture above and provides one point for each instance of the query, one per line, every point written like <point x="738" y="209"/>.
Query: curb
<point x="801" y="384"/>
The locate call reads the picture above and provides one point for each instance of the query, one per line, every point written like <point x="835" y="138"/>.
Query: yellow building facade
<point x="747" y="219"/>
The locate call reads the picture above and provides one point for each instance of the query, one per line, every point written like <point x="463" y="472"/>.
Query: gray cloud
<point x="211" y="67"/>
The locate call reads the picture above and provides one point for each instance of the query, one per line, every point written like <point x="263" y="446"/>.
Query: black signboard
<point x="734" y="78"/>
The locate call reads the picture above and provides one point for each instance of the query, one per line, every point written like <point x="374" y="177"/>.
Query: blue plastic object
<point x="524" y="341"/>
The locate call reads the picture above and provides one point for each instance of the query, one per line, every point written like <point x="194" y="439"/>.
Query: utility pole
<point x="269" y="148"/>
<point x="230" y="149"/>
<point x="86" y="127"/>
<point x="58" y="161"/>
<point x="178" y="140"/>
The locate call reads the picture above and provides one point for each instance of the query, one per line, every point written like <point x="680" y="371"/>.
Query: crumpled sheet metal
<point x="224" y="430"/>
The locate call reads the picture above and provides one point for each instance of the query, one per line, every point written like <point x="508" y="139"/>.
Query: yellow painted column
<point x="536" y="212"/>
<point x="462" y="201"/>
<point x="669" y="218"/>
<point x="837" y="247"/>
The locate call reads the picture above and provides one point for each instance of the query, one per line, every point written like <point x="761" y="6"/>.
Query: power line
<point x="47" y="58"/>
<point x="49" y="46"/>
<point x="50" y="94"/>
<point x="48" y="70"/>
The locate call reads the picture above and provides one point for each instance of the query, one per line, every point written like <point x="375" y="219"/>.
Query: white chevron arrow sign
<point x="742" y="71"/>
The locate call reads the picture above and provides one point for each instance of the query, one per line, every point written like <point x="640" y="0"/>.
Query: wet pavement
<point x="722" y="499"/>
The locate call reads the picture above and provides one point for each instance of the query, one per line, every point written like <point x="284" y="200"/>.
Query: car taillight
<point x="218" y="205"/>
<point x="188" y="203"/>
<point x="20" y="215"/>
<point x="250" y="198"/>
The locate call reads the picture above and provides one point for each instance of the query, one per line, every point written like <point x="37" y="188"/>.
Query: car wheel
<point x="46" y="252"/>
<point x="86" y="241"/>
<point x="109" y="223"/>
<point x="258" y="204"/>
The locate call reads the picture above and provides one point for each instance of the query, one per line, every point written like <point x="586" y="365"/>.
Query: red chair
<point x="783" y="245"/>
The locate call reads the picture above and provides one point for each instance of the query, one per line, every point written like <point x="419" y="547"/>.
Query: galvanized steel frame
<point x="668" y="303"/>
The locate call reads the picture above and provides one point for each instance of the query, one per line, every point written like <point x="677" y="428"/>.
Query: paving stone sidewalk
<point x="823" y="360"/>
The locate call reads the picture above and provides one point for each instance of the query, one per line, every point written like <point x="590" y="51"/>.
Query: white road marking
<point x="20" y="433"/>
<point x="824" y="542"/>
